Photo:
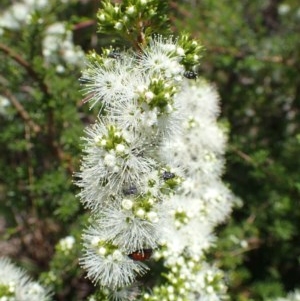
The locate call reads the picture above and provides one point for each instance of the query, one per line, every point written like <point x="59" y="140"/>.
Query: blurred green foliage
<point x="253" y="56"/>
<point x="41" y="121"/>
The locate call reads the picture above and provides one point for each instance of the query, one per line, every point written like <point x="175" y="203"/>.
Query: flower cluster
<point x="65" y="245"/>
<point x="126" y="18"/>
<point x="15" y="285"/>
<point x="151" y="172"/>
<point x="19" y="13"/>
<point x="57" y="46"/>
<point x="201" y="202"/>
<point x="151" y="169"/>
<point x="189" y="280"/>
<point x="124" y="179"/>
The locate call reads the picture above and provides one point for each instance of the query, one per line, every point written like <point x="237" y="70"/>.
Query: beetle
<point x="190" y="74"/>
<point x="168" y="175"/>
<point x="141" y="255"/>
<point x="131" y="190"/>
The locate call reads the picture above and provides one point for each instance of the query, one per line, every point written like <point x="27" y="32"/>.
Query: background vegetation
<point x="252" y="55"/>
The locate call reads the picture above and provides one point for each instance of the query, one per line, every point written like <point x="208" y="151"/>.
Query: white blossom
<point x="151" y="172"/>
<point x="127" y="229"/>
<point x="18" y="284"/>
<point x="66" y="244"/>
<point x="161" y="56"/>
<point x="58" y="43"/>
<point x="112" y="268"/>
<point x="111" y="84"/>
<point x="104" y="171"/>
<point x="203" y="200"/>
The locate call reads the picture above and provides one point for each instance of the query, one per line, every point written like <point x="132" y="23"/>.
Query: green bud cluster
<point x="192" y="51"/>
<point x="112" y="140"/>
<point x="133" y="19"/>
<point x="161" y="93"/>
<point x="104" y="248"/>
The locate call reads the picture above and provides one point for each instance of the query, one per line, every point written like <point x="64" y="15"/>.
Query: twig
<point x="22" y="112"/>
<point x="244" y="156"/>
<point x="84" y="24"/>
<point x="21" y="61"/>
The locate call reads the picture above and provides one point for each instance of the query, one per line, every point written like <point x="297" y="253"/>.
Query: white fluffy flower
<point x="151" y="183"/>
<point x="111" y="268"/>
<point x="66" y="244"/>
<point x="105" y="171"/>
<point x="156" y="126"/>
<point x="149" y="122"/>
<point x="199" y="148"/>
<point x="202" y="201"/>
<point x="127" y="114"/>
<point x="162" y="57"/>
<point x="16" y="285"/>
<point x="218" y="200"/>
<point x="192" y="235"/>
<point x="111" y="83"/>
<point x="200" y="98"/>
<point x="128" y="230"/>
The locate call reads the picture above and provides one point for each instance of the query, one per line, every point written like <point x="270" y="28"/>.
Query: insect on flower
<point x="190" y="74"/>
<point x="141" y="255"/>
<point x="168" y="175"/>
<point x="130" y="190"/>
<point x="114" y="54"/>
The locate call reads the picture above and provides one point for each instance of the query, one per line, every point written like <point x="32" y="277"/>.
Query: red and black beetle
<point x="141" y="255"/>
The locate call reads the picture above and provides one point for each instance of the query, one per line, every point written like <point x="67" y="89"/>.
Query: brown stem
<point x="249" y="160"/>
<point x="31" y="72"/>
<point x="244" y="156"/>
<point x="30" y="168"/>
<point x="141" y="35"/>
<point x="22" y="112"/>
<point x="139" y="40"/>
<point x="84" y="24"/>
<point x="45" y="89"/>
